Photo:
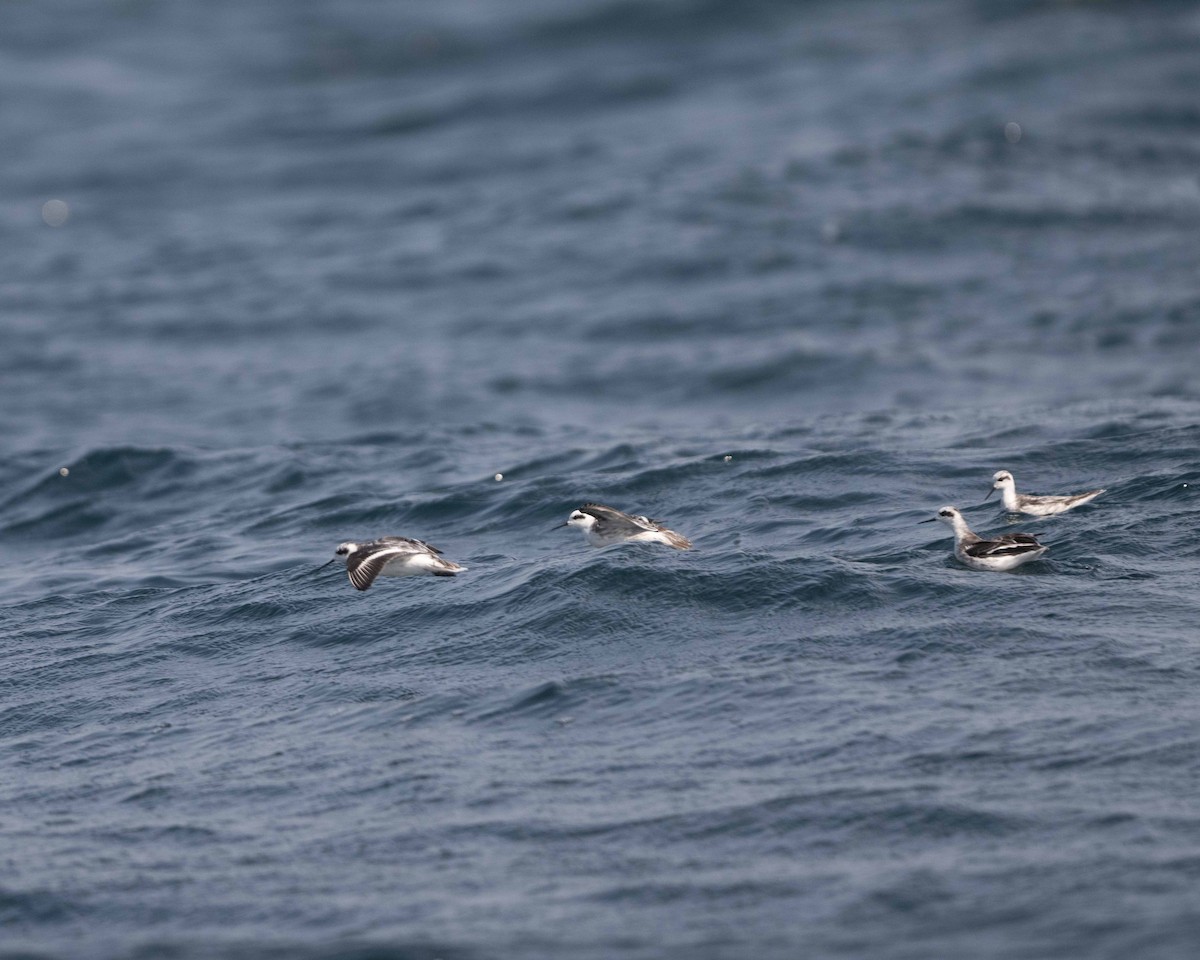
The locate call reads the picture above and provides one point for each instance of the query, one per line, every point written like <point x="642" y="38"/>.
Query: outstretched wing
<point x="618" y="522"/>
<point x="365" y="563"/>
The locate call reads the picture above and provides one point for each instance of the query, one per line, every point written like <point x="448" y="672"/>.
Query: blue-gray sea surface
<point x="791" y="276"/>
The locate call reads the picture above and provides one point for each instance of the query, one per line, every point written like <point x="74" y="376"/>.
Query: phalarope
<point x="1005" y="552"/>
<point x="604" y="525"/>
<point x="1035" y="506"/>
<point x="393" y="557"/>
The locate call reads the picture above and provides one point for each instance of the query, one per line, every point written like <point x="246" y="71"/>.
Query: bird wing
<point x="616" y="520"/>
<point x="1008" y="546"/>
<point x="365" y="563"/>
<point x="1051" y="500"/>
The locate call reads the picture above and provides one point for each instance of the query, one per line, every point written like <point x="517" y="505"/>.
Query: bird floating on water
<point x="1006" y="552"/>
<point x="393" y="557"/>
<point x="603" y="526"/>
<point x="1035" y="506"/>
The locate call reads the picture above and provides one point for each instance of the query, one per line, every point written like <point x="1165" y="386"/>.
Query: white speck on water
<point x="1012" y="132"/>
<point x="63" y="471"/>
<point x="498" y="477"/>
<point x="728" y="458"/>
<point x="55" y="212"/>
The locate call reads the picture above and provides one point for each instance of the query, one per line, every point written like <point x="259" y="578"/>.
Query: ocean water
<point x="791" y="276"/>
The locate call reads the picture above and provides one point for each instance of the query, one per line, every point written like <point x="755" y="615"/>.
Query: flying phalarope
<point x="1006" y="552"/>
<point x="1035" y="506"/>
<point x="603" y="526"/>
<point x="393" y="557"/>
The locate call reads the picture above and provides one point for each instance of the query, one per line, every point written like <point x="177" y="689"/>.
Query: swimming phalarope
<point x="603" y="526"/>
<point x="393" y="557"/>
<point x="1036" y="506"/>
<point x="1006" y="552"/>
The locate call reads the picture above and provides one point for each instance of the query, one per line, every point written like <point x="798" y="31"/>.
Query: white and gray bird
<point x="393" y="557"/>
<point x="603" y="526"/>
<point x="1005" y="552"/>
<point x="1035" y="506"/>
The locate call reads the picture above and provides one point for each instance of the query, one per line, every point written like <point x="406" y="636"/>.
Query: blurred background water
<point x="790" y="275"/>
